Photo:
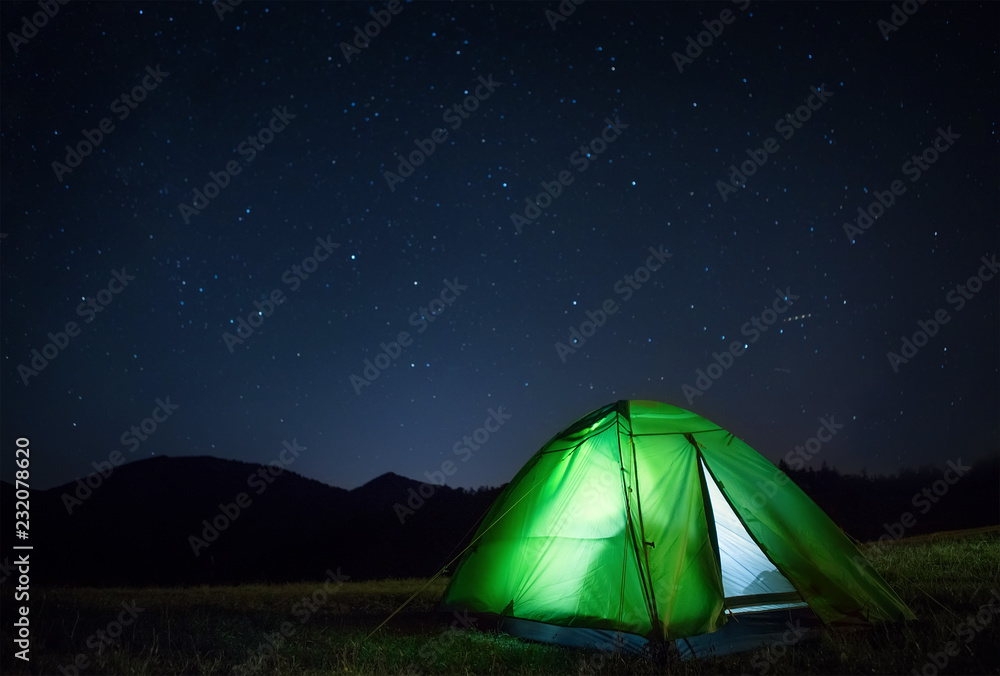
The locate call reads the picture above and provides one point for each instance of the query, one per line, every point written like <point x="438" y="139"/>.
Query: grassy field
<point x="944" y="578"/>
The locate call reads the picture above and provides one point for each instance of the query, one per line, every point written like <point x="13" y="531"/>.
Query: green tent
<point x="645" y="519"/>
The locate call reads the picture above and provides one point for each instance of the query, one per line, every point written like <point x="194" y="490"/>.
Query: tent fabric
<point x="645" y="518"/>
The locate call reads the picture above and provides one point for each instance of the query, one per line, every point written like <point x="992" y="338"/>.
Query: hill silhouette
<point x="868" y="508"/>
<point x="198" y="520"/>
<point x="168" y="521"/>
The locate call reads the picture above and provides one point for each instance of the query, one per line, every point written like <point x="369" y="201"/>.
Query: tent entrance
<point x="750" y="581"/>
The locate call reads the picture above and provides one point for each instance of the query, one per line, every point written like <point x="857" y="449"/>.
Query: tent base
<point x="743" y="632"/>
<point x="573" y="637"/>
<point x="750" y="631"/>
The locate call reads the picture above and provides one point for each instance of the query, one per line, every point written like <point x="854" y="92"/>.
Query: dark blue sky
<point x="497" y="103"/>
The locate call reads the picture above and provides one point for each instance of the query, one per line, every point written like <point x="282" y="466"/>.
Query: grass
<point x="223" y="630"/>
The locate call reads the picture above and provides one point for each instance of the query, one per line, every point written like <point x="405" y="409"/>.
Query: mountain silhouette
<point x="204" y="520"/>
<point x="195" y="520"/>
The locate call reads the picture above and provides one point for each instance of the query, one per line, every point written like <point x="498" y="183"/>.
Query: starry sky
<point x="258" y="199"/>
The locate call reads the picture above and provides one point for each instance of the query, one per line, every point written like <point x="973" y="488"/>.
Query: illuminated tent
<point x="643" y="521"/>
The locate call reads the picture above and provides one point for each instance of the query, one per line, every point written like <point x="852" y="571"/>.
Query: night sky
<point x="690" y="202"/>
